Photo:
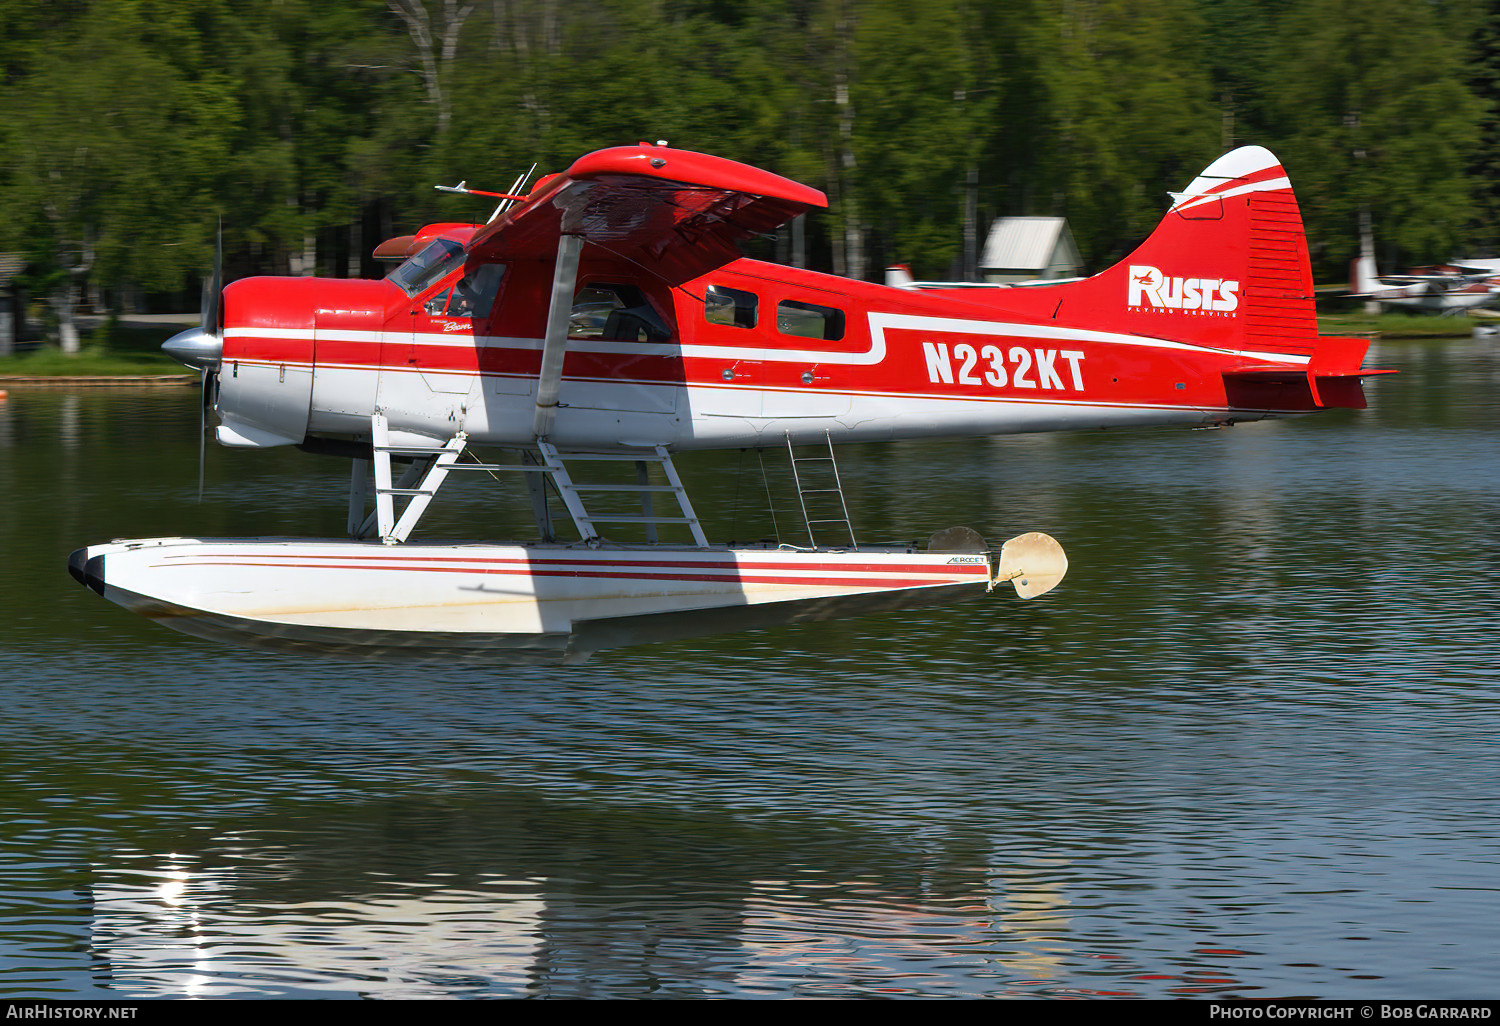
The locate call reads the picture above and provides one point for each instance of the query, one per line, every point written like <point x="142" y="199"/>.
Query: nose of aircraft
<point x="195" y="348"/>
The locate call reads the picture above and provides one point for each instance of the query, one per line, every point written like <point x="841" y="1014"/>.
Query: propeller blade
<point x="203" y="348"/>
<point x="213" y="287"/>
<point x="202" y="426"/>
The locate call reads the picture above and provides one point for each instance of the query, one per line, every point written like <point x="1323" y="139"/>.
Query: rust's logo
<point x="1150" y="289"/>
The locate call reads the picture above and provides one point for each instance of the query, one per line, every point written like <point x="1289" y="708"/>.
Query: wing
<point x="675" y="213"/>
<point x="1469" y="274"/>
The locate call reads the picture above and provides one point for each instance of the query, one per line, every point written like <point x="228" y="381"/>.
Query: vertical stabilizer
<point x="1226" y="268"/>
<point x="1363" y="279"/>
<point x="899" y="276"/>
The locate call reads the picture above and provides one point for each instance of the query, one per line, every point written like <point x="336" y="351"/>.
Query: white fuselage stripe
<point x="879" y="323"/>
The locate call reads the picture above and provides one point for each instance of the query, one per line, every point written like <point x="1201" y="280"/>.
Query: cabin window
<point x="733" y="307"/>
<point x="434" y="260"/>
<point x="617" y="313"/>
<point x="809" y="320"/>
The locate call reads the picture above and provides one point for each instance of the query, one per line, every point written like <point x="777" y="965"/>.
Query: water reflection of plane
<point x="188" y="931"/>
<point x="518" y="898"/>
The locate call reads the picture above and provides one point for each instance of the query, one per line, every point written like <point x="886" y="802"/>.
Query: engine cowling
<point x="268" y="370"/>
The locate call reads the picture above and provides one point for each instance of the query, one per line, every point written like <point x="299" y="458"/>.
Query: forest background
<point x="314" y="129"/>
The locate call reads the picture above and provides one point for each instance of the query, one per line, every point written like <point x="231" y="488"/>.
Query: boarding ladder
<point x="556" y="461"/>
<point x="826" y="491"/>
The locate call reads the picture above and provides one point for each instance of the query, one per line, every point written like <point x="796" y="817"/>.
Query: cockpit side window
<point x="437" y="303"/>
<point x="472" y="297"/>
<point x="433" y="261"/>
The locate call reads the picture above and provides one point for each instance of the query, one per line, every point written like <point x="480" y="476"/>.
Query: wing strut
<point x="549" y="378"/>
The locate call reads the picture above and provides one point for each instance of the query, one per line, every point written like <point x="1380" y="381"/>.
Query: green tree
<point x="114" y="165"/>
<point x="334" y="106"/>
<point x="1127" y="111"/>
<point x="131" y="126"/>
<point x="1241" y="46"/>
<point x="922" y="117"/>
<point x="1485" y="171"/>
<point x="1375" y="113"/>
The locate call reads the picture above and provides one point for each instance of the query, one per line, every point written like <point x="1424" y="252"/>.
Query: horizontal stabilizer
<point x="1331" y="377"/>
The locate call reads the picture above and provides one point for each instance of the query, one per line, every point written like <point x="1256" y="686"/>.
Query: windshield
<point x="436" y="259"/>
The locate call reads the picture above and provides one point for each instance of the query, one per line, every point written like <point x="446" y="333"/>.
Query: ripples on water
<point x="1247" y="748"/>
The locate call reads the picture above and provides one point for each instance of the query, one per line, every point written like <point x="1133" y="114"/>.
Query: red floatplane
<point x="606" y="317"/>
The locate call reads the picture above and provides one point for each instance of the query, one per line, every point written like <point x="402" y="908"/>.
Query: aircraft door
<point x="450" y="330"/>
<point x="623" y="353"/>
<point x="401" y="392"/>
<point x="401" y="388"/>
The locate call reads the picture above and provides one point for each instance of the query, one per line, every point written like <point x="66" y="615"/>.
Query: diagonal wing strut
<point x="554" y="342"/>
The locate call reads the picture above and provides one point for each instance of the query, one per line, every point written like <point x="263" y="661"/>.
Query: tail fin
<point x="1363" y="279"/>
<point x="1226" y="269"/>
<point x="899" y="276"/>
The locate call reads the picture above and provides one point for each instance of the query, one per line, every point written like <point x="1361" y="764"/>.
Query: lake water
<point x="1248" y="748"/>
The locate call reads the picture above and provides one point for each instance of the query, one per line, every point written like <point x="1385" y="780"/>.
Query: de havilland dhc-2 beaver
<point x="606" y="317"/>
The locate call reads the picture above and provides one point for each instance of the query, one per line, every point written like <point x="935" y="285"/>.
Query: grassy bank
<point x="111" y="350"/>
<point x="1400" y="325"/>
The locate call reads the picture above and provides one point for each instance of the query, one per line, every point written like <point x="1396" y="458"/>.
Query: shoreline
<point x="95" y="380"/>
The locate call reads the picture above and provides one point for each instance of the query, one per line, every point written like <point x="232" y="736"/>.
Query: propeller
<point x="203" y="347"/>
